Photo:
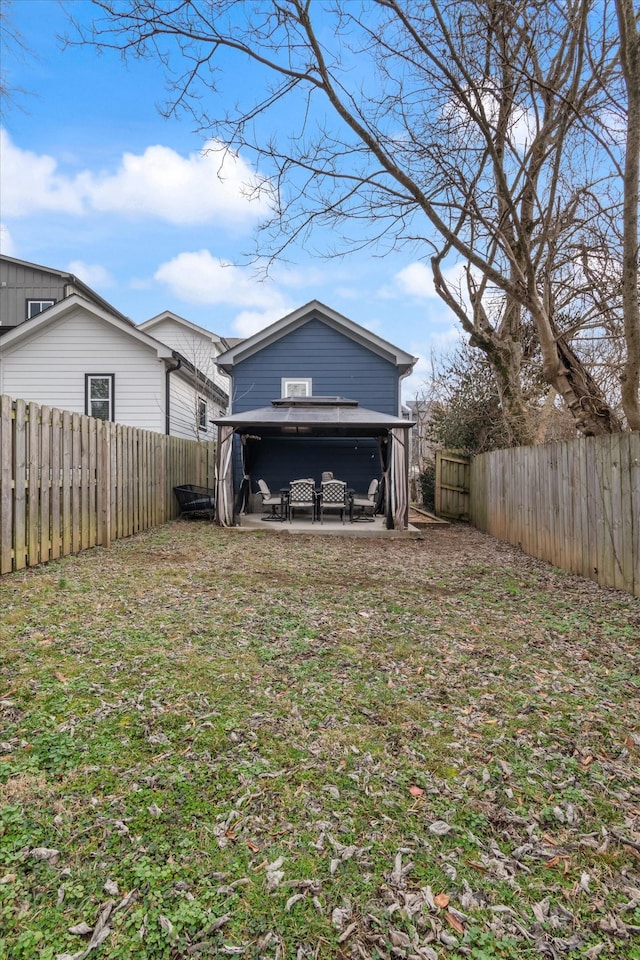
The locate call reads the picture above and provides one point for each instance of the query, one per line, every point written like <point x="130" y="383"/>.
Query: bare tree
<point x="473" y="130"/>
<point x="630" y="57"/>
<point x="12" y="47"/>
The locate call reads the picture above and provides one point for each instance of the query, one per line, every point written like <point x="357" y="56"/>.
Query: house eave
<point x="30" y="328"/>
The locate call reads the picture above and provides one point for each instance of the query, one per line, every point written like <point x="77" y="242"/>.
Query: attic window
<point x="295" y="387"/>
<point x="34" y="307"/>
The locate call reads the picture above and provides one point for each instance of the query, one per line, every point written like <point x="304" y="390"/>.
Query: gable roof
<point x="316" y="310"/>
<point x="71" y="278"/>
<point x="187" y="324"/>
<point x="31" y="328"/>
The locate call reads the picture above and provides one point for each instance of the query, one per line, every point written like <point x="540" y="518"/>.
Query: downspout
<point x="167" y="402"/>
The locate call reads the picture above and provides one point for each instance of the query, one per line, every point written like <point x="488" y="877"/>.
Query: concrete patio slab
<point x="331" y="526"/>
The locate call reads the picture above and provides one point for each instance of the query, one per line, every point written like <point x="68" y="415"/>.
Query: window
<point x="99" y="395"/>
<point x="202" y="414"/>
<point x="34" y="307"/>
<point x="299" y="387"/>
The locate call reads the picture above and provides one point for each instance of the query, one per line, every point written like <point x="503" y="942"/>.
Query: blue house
<point x="313" y="392"/>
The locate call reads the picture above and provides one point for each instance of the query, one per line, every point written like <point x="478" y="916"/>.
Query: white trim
<point x="286" y="383"/>
<point x="202" y="417"/>
<point x="49" y="316"/>
<point x="169" y="315"/>
<point x="110" y="378"/>
<point x="49" y="301"/>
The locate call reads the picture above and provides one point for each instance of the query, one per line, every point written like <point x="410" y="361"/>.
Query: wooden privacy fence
<point x="69" y="482"/>
<point x="575" y="504"/>
<point x="452" y="485"/>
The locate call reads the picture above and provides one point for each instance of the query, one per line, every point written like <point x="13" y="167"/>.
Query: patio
<point x="332" y="526"/>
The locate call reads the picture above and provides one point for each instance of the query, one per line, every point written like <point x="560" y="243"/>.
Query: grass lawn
<point x="216" y="743"/>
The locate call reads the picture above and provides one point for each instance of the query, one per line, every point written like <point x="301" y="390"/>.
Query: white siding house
<point x="201" y="347"/>
<point x="200" y="392"/>
<point x="78" y="356"/>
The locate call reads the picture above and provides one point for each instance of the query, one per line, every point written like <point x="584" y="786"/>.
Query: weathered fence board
<point x="69" y="482"/>
<point x="452" y="485"/>
<point x="6" y="485"/>
<point x="575" y="504"/>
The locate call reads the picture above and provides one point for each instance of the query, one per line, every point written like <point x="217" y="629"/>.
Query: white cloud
<point x="182" y="190"/>
<point x="251" y="321"/>
<point x="416" y="280"/>
<point x="417" y="383"/>
<point x="202" y="187"/>
<point x="199" y="277"/>
<point x="522" y="122"/>
<point x="30" y="183"/>
<point x="6" y="242"/>
<point x="92" y="274"/>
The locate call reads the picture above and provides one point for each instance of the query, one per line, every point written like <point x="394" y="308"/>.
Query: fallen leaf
<point x="46" y="853"/>
<point x="440" y="828"/>
<point x="167" y="926"/>
<point x="441" y="900"/>
<point x="293" y="900"/>
<point x="454" y="922"/>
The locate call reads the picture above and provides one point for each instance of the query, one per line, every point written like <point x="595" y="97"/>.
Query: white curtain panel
<point x="399" y="478"/>
<point x="224" y="478"/>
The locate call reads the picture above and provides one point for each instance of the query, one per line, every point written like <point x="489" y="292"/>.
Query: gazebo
<point x="297" y="436"/>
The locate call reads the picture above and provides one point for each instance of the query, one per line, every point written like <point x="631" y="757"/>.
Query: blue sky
<point x="93" y="180"/>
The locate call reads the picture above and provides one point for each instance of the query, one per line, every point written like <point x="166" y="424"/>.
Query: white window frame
<point x="44" y="304"/>
<point x="286" y="384"/>
<point x="202" y="415"/>
<point x="89" y="400"/>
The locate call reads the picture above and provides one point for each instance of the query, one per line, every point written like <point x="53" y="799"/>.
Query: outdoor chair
<point x="269" y="500"/>
<point x="362" y="504"/>
<point x="333" y="496"/>
<point x="302" y="496"/>
<point x="195" y="501"/>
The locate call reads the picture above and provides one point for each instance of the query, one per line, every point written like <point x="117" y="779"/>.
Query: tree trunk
<point x="564" y="371"/>
<point x="630" y="57"/>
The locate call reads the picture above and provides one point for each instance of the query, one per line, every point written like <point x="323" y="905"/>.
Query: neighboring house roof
<point x="148" y="325"/>
<point x="246" y="348"/>
<point x="70" y="278"/>
<point x="31" y="328"/>
<point x="332" y="413"/>
<point x="197" y="379"/>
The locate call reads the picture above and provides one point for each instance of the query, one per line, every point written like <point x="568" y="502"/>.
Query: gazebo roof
<point x="307" y="415"/>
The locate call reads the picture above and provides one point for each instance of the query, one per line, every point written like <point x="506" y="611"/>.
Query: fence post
<point x="6" y="485"/>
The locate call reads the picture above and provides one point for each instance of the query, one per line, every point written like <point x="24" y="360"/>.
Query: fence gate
<point x="453" y="472"/>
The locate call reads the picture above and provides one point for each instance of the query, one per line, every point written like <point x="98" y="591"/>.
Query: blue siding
<point x="337" y="365"/>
